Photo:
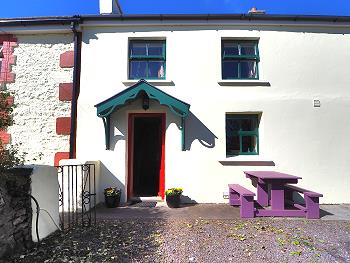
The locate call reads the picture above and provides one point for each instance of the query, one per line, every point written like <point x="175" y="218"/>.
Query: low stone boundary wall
<point x="18" y="212"/>
<point x="15" y="211"/>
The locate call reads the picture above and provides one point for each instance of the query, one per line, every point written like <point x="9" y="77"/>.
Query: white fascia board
<point x="157" y="22"/>
<point x="47" y="29"/>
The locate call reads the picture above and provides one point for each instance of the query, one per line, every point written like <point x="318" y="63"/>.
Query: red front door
<point x="146" y="141"/>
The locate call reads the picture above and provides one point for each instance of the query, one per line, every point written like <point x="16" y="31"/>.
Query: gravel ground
<point x="174" y="240"/>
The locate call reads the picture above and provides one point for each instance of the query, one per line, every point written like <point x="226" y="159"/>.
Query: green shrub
<point x="9" y="156"/>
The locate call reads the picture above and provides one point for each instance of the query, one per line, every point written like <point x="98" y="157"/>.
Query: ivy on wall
<point x="9" y="156"/>
<point x="6" y="109"/>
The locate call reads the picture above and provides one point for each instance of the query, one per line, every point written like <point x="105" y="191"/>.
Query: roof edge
<point x="256" y="17"/>
<point x="170" y="17"/>
<point x="32" y="21"/>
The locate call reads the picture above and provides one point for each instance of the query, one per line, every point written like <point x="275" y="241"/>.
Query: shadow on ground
<point x="185" y="211"/>
<point x="118" y="240"/>
<point x="324" y="213"/>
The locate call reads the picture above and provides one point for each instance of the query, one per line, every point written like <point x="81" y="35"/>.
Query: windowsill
<point x="246" y="160"/>
<point x="158" y="82"/>
<point x="244" y="82"/>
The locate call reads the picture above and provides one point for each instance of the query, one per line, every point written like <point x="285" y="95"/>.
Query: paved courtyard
<point x="198" y="233"/>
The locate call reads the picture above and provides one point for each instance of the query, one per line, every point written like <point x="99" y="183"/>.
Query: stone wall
<point x="38" y="75"/>
<point x="15" y="211"/>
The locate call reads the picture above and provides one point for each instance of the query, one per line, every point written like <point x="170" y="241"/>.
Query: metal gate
<point x="77" y="195"/>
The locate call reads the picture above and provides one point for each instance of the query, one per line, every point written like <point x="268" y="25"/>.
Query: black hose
<point x="37" y="217"/>
<point x="37" y="212"/>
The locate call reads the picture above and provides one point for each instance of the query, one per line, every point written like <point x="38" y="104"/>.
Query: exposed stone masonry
<point x="36" y="95"/>
<point x="15" y="212"/>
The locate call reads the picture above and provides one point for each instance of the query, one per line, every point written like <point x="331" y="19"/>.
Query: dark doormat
<point x="143" y="204"/>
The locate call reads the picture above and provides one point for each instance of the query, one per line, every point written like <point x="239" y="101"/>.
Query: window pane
<point x="155" y="49"/>
<point x="232" y="145"/>
<point x="232" y="125"/>
<point x="230" y="49"/>
<point x="232" y="138"/>
<point x="248" y="125"/>
<point x="249" y="144"/>
<point x="248" y="69"/>
<point x="138" y="69"/>
<point x="248" y="49"/>
<point x="156" y="69"/>
<point x="138" y="49"/>
<point x="230" y="69"/>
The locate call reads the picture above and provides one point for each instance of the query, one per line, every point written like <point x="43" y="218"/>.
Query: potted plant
<point x="112" y="197"/>
<point x="172" y="196"/>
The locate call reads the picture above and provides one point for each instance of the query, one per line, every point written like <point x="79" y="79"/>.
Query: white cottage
<point x="186" y="101"/>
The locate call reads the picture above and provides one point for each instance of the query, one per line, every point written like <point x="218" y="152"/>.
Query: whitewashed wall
<point x="301" y="64"/>
<point x="45" y="191"/>
<point x="35" y="90"/>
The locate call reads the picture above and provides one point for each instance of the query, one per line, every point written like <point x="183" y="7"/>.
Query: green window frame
<point x="147" y="59"/>
<point x="240" y="59"/>
<point x="242" y="134"/>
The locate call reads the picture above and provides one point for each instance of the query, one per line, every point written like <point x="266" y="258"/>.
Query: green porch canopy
<point x="146" y="91"/>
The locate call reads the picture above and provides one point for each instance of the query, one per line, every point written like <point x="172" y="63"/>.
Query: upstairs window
<point x="242" y="134"/>
<point x="147" y="59"/>
<point x="240" y="59"/>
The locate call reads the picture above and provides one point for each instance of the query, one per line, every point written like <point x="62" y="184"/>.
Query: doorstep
<point x="146" y="199"/>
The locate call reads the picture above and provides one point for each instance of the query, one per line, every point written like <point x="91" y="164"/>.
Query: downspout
<point x="76" y="89"/>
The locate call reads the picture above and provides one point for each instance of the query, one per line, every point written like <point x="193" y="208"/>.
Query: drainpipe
<point x="76" y="89"/>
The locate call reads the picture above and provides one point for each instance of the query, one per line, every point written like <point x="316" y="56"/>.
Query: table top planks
<point x="270" y="175"/>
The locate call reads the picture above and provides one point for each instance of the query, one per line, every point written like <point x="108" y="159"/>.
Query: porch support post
<point x="107" y="125"/>
<point x="183" y="133"/>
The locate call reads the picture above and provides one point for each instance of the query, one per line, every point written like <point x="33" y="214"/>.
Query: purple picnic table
<point x="277" y="182"/>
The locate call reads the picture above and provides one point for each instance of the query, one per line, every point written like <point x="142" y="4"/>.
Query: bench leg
<point x="234" y="198"/>
<point x="247" y="207"/>
<point x="263" y="195"/>
<point x="312" y="207"/>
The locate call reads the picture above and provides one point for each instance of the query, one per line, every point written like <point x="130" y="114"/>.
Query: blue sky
<point x="25" y="8"/>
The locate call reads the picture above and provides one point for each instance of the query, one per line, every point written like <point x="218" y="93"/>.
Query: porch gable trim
<point x="108" y="106"/>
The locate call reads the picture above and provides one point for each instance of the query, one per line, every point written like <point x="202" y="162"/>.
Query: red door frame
<point x="131" y="119"/>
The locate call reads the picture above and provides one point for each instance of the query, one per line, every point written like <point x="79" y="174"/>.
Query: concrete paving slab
<point x="204" y="211"/>
<point x="335" y="212"/>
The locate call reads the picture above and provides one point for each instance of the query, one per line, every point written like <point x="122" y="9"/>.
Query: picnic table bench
<point x="311" y="207"/>
<point x="238" y="195"/>
<point x="273" y="193"/>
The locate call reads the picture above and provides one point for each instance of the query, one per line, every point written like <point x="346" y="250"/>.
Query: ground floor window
<point x="242" y="134"/>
